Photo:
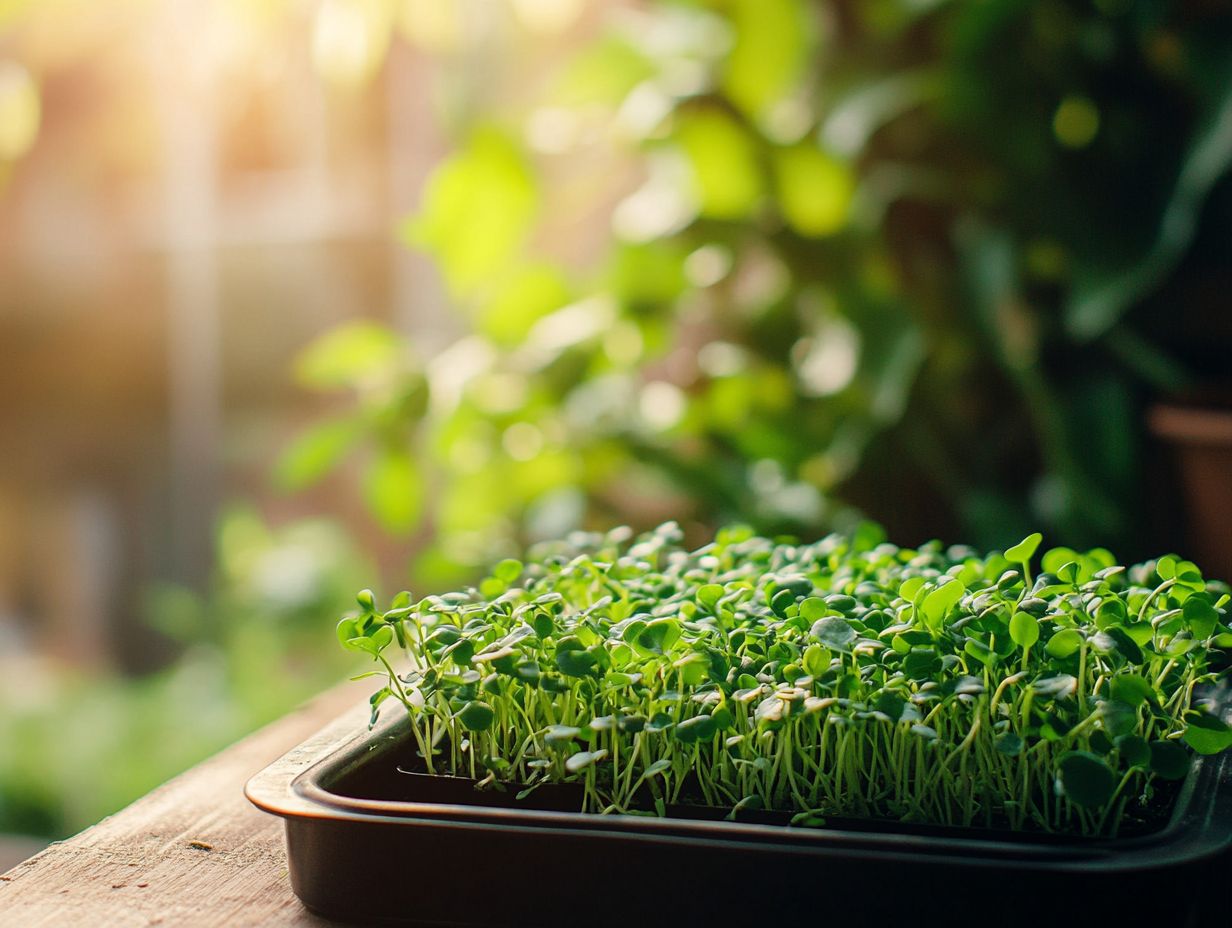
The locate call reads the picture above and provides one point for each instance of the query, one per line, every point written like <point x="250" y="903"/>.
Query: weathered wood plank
<point x="193" y="852"/>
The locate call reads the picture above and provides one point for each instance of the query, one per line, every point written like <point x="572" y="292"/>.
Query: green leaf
<point x="461" y="652"/>
<point x="773" y="39"/>
<point x="348" y="630"/>
<point x="558" y="735"/>
<point x="1009" y="743"/>
<point x="816" y="660"/>
<point x="527" y="294"/>
<point x="1134" y="751"/>
<point x="727" y="175"/>
<point x="1200" y="615"/>
<point x="604" y="72"/>
<point x="1022" y="552"/>
<point x="691" y="669"/>
<point x="814" y="190"/>
<point x="375" y="701"/>
<point x="1101" y="743"/>
<point x="1169" y="760"/>
<point x="782" y="601"/>
<point x="1118" y="718"/>
<point x="1056" y="558"/>
<point x="444" y="635"/>
<point x="1110" y="612"/>
<point x="508" y="570"/>
<point x="1124" y="644"/>
<point x="980" y="651"/>
<point x="349" y="355"/>
<point x="771" y="709"/>
<point x="491" y="588"/>
<point x="393" y="491"/>
<point x="633" y="630"/>
<point x="698" y="728"/>
<point x="1024" y="629"/>
<point x="659" y="636"/>
<point x="709" y="594"/>
<point x="808" y="819"/>
<point x="1054" y="727"/>
<point x="316" y="452"/>
<point x="891" y="704"/>
<point x="543" y="625"/>
<point x="660" y="721"/>
<point x="1132" y="689"/>
<point x="1207" y="734"/>
<point x="583" y="759"/>
<point x="476" y="716"/>
<point x="575" y="663"/>
<point x="1059" y="686"/>
<point x="1084" y="779"/>
<point x="1188" y="575"/>
<point x="1064" y="643"/>
<point x="1068" y="572"/>
<point x="835" y="633"/>
<point x="941" y="600"/>
<point x="375" y="640"/>
<point x="910" y="587"/>
<point x="660" y="766"/>
<point x="921" y="663"/>
<point x="478" y="210"/>
<point x="813" y="608"/>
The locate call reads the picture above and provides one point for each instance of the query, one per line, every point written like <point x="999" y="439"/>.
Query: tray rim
<point x="292" y="787"/>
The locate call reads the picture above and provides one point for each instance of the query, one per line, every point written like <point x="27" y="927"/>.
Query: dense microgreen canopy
<point x="844" y="677"/>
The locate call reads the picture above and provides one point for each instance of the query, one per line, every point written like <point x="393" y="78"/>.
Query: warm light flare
<point x="20" y="111"/>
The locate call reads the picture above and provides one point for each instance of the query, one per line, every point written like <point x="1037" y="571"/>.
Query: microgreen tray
<point x="369" y="842"/>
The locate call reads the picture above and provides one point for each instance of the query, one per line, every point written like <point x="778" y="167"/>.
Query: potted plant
<point x="1195" y="436"/>
<point x="740" y="729"/>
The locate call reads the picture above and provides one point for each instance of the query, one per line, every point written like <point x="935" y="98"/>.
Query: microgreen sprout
<point x="848" y="677"/>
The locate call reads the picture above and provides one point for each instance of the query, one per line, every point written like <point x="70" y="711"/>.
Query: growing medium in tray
<point x="847" y="677"/>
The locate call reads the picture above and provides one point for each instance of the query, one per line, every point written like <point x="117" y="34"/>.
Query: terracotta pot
<point x="1198" y="443"/>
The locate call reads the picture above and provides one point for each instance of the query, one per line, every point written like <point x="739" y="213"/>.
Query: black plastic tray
<point x="436" y="857"/>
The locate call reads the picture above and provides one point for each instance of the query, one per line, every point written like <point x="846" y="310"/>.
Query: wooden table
<point x="193" y="852"/>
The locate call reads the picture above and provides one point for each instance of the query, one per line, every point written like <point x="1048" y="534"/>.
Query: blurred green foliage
<point x="892" y="255"/>
<point x="76" y="748"/>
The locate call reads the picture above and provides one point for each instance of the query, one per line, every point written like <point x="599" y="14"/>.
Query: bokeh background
<point x="301" y="296"/>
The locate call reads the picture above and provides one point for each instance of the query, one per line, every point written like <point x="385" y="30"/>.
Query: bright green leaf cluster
<point x="846" y="677"/>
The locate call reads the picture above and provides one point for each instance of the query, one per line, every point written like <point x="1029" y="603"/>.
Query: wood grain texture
<point x="193" y="852"/>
